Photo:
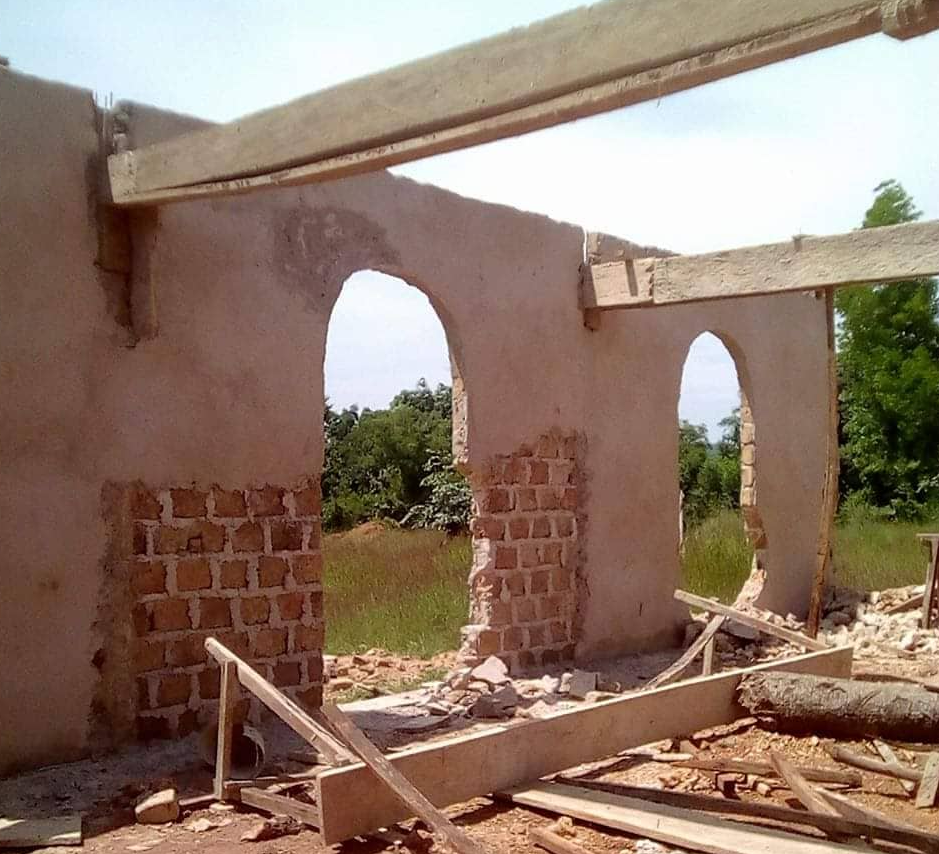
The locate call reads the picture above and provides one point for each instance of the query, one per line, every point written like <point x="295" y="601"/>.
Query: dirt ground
<point x="105" y="789"/>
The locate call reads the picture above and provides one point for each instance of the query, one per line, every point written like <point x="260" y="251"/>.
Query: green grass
<point x="402" y="591"/>
<point x="717" y="557"/>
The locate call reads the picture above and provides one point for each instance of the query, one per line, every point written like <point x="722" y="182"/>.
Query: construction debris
<point x="842" y="707"/>
<point x="272" y="828"/>
<point x="158" y="808"/>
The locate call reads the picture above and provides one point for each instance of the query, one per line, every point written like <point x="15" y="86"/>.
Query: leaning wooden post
<point x="830" y="483"/>
<point x="228" y="697"/>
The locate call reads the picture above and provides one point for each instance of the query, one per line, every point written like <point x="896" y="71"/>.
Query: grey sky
<point x="793" y="148"/>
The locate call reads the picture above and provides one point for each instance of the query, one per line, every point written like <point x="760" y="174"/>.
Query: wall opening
<point x="396" y="543"/>
<point x="720" y="531"/>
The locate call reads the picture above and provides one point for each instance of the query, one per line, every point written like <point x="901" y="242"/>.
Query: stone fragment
<point x="492" y="670"/>
<point x="158" y="808"/>
<point x="550" y="684"/>
<point x="460" y="678"/>
<point x="506" y="696"/>
<point x="582" y="683"/>
<point x="479" y="687"/>
<point x="271" y="828"/>
<point x="485" y="707"/>
<point x="740" y="631"/>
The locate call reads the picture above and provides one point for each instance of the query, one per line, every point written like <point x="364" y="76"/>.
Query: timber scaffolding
<point x="580" y="63"/>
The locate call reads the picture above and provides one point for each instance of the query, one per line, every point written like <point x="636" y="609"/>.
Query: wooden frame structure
<point x="602" y="57"/>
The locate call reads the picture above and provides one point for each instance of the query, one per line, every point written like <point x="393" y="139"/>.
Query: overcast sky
<point x="794" y="148"/>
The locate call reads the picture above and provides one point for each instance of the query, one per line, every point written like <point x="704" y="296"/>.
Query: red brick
<point x="551" y="606"/>
<point x="316" y="535"/>
<point x="188" y="503"/>
<point x="540" y="527"/>
<point x="569" y="498"/>
<point x="148" y="655"/>
<point x="315" y="598"/>
<point x="528" y="555"/>
<point x="548" y="446"/>
<point x="152" y="726"/>
<point x="516" y="584"/>
<point x="248" y="537"/>
<point x="548" y="499"/>
<point x="537" y="472"/>
<point x="140" y="619"/>
<point x="568" y="450"/>
<point x="497" y="500"/>
<point x="568" y="651"/>
<point x="269" y="643"/>
<point x="143" y="693"/>
<point x="308" y="501"/>
<point x="188" y="723"/>
<point x="268" y="501"/>
<point x="314" y="668"/>
<point x="186" y="651"/>
<point x="307" y="569"/>
<point x="525" y="610"/>
<point x="193" y="574"/>
<point x="487" y="528"/>
<point x="230" y="504"/>
<point x="209" y="683"/>
<point x="560" y="579"/>
<point x="196" y="537"/>
<point x="234" y="573"/>
<point x="140" y="539"/>
<point x="488" y="643"/>
<point x="237" y="642"/>
<point x="286" y="536"/>
<point x="550" y="656"/>
<point x="514" y="471"/>
<point x="214" y="613"/>
<point x="254" y="610"/>
<point x="526" y="499"/>
<point x="512" y="638"/>
<point x="144" y="504"/>
<point x="558" y="632"/>
<point x="307" y="638"/>
<point x="169" y="615"/>
<point x="311" y="698"/>
<point x="290" y="606"/>
<point x="519" y="528"/>
<point x="536" y="636"/>
<point x="562" y="473"/>
<point x="528" y="659"/>
<point x="173" y="689"/>
<point x="506" y="557"/>
<point x="539" y="582"/>
<point x="500" y="613"/>
<point x="149" y="577"/>
<point x="550" y="554"/>
<point x="564" y="525"/>
<point x="271" y="571"/>
<point x="287" y="673"/>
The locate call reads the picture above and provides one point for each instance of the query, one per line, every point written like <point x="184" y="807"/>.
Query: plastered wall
<point x="206" y="374"/>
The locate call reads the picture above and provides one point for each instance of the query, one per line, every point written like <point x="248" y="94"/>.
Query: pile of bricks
<point x="242" y="566"/>
<point x="525" y="554"/>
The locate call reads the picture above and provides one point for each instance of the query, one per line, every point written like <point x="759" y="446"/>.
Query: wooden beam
<point x="604" y="56"/>
<point x="799" y="786"/>
<point x="929" y="784"/>
<point x="550" y="841"/>
<point x="875" y="766"/>
<point x="353" y="801"/>
<point x="757" y="623"/>
<point x="700" y="645"/>
<point x="684" y="828"/>
<point x="870" y="255"/>
<point x="862" y="821"/>
<point x="887" y="754"/>
<point x="228" y="697"/>
<point x="278" y="805"/>
<point x="405" y="791"/>
<point x="765" y="769"/>
<point x="281" y="705"/>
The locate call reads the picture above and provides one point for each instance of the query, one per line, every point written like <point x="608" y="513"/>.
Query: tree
<point x="888" y="343"/>
<point x="709" y="477"/>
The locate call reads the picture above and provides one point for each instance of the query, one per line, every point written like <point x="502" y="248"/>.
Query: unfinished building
<point x="163" y="403"/>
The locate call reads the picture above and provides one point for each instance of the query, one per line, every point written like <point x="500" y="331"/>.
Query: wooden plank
<point x="403" y="789"/>
<point x="932" y="578"/>
<point x="468" y="766"/>
<point x="929" y="784"/>
<point x="228" y="697"/>
<point x="604" y="56"/>
<point x="870" y="255"/>
<point x="708" y="657"/>
<point x="671" y="825"/>
<point x="800" y="787"/>
<point x="673" y="671"/>
<point x="282" y="706"/>
<point x="764" y="626"/>
<point x="552" y="842"/>
<point x="766" y="769"/>
<point x="861" y="822"/>
<point x="37" y="832"/>
<point x="887" y="754"/>
<point x="867" y="763"/>
<point x="278" y="805"/>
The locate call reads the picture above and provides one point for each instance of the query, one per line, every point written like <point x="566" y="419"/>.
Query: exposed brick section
<point x="241" y="565"/>
<point x="525" y="544"/>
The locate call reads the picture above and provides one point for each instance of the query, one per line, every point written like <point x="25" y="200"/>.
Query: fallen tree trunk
<point x="843" y="708"/>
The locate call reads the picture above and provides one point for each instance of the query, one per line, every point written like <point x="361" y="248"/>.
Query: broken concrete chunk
<point x="506" y="696"/>
<point x="582" y="683"/>
<point x="492" y="670"/>
<point x="158" y="808"/>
